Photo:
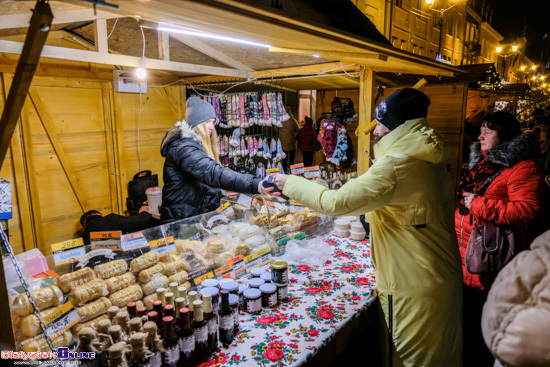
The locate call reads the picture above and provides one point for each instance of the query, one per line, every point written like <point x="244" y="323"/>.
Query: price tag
<point x="272" y="171"/>
<point x="105" y="240"/>
<point x="133" y="241"/>
<point x="163" y="246"/>
<point x="223" y="270"/>
<point x="297" y="169"/>
<point x="282" y="244"/>
<point x="225" y="210"/>
<point x="312" y="172"/>
<point x="271" y="207"/>
<point x="256" y="258"/>
<point x="68" y="251"/>
<point x="66" y="245"/>
<point x="202" y="278"/>
<point x="299" y="236"/>
<point x="244" y="200"/>
<point x="296" y="207"/>
<point x="61" y="320"/>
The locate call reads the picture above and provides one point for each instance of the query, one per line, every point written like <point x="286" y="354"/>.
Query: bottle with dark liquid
<point x="211" y="322"/>
<point x="186" y="339"/>
<point x="200" y="329"/>
<point x="226" y="319"/>
<point x="171" y="354"/>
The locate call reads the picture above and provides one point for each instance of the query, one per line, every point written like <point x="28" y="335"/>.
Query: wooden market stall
<point x="78" y="141"/>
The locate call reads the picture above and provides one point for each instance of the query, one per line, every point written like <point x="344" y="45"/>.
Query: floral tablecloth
<point x="321" y="301"/>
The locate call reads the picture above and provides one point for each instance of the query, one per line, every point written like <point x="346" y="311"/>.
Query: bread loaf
<point x="130" y="294"/>
<point x="144" y="261"/>
<point x="160" y="281"/>
<point x="41" y="345"/>
<point x="120" y="282"/>
<point x="179" y="278"/>
<point x="93" y="309"/>
<point x="30" y="326"/>
<point x="111" y="269"/>
<point x="148" y="301"/>
<point x="88" y="292"/>
<point x="68" y="281"/>
<point x="43" y="298"/>
<point x="146" y="275"/>
<point x="174" y="264"/>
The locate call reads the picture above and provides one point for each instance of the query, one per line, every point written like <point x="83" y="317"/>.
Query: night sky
<point x="511" y="16"/>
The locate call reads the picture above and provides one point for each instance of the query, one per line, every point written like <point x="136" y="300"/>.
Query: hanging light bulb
<point x="141" y="72"/>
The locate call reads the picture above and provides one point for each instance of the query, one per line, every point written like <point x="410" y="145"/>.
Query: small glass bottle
<point x="160" y="295"/>
<point x="211" y="322"/>
<point x="226" y="320"/>
<point x="131" y="308"/>
<point x="214" y="293"/>
<point x="141" y="311"/>
<point x="200" y="329"/>
<point x="169" y="310"/>
<point x="180" y="303"/>
<point x="182" y="293"/>
<point x="157" y="306"/>
<point x="171" y="354"/>
<point x="192" y="298"/>
<point x="174" y="288"/>
<point x="169" y="298"/>
<point x="186" y="339"/>
<point x="234" y="304"/>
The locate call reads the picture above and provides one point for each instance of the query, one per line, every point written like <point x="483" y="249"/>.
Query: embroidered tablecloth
<point x="321" y="301"/>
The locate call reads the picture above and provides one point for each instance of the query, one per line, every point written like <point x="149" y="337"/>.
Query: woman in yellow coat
<point x="408" y="198"/>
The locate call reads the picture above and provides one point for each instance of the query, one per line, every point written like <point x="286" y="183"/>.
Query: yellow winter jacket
<point x="408" y="200"/>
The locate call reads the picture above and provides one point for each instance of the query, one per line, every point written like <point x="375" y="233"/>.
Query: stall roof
<point x="343" y="38"/>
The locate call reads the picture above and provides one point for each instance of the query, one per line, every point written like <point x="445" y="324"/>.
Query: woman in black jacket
<point x="194" y="180"/>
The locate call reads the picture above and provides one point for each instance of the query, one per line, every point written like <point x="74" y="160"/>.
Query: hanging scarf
<point x="473" y="180"/>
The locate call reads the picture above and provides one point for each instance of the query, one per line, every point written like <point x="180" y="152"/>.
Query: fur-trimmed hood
<point x="180" y="131"/>
<point x="522" y="147"/>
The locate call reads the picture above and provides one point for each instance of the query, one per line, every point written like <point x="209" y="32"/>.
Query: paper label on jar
<point x="253" y="306"/>
<point x="156" y="360"/>
<point x="226" y="321"/>
<point x="187" y="344"/>
<point x="282" y="292"/>
<point x="272" y="300"/>
<point x="172" y="355"/>
<point x="201" y="334"/>
<point x="212" y="325"/>
<point x="236" y="316"/>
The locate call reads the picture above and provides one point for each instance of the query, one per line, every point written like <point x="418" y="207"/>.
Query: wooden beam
<point x="334" y="55"/>
<point x="64" y="53"/>
<point x="57" y="146"/>
<point x="28" y="61"/>
<point x="335" y="67"/>
<point x="164" y="46"/>
<point x="59" y="17"/>
<point x="115" y="190"/>
<point x="210" y="51"/>
<point x="100" y="35"/>
<point x="366" y="87"/>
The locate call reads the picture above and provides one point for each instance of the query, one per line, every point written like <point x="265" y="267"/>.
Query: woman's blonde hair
<point x="209" y="141"/>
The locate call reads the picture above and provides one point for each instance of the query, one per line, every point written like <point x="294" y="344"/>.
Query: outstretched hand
<point x="280" y="180"/>
<point x="269" y="191"/>
<point x="231" y="195"/>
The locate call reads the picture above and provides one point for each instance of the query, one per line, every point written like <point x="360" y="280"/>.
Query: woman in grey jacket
<point x="194" y="180"/>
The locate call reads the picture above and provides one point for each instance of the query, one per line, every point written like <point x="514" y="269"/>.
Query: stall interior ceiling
<point x="295" y="54"/>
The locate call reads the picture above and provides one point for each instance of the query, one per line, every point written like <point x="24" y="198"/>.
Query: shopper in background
<point x="287" y="135"/>
<point x="304" y="137"/>
<point x="194" y="180"/>
<point x="94" y="221"/>
<point x="513" y="198"/>
<point x="515" y="319"/>
<point x="408" y="197"/>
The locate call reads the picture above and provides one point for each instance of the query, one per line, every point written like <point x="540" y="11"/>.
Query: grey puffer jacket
<point x="193" y="181"/>
<point x="516" y="316"/>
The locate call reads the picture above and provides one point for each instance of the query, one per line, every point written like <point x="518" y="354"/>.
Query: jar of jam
<point x="257" y="272"/>
<point x="255" y="282"/>
<point x="279" y="272"/>
<point x="269" y="295"/>
<point x="242" y="288"/>
<point x="282" y="292"/>
<point x="253" y="300"/>
<point x="266" y="277"/>
<point x="232" y="287"/>
<point x="209" y="283"/>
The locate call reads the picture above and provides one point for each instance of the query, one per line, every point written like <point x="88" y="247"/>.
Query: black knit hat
<point x="400" y="106"/>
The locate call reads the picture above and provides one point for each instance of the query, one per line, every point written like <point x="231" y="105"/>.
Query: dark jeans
<point x="308" y="158"/>
<point x="475" y="351"/>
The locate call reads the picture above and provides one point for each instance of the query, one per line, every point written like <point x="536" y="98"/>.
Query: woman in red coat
<point x="514" y="198"/>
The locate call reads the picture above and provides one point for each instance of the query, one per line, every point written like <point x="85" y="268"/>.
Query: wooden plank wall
<point x="446" y="115"/>
<point x="76" y="148"/>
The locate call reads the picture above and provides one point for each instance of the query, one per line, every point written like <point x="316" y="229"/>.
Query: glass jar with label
<point x="210" y="283"/>
<point x="255" y="282"/>
<point x="232" y="287"/>
<point x="242" y="288"/>
<point x="279" y="272"/>
<point x="269" y="295"/>
<point x="257" y="272"/>
<point x="266" y="277"/>
<point x="282" y="292"/>
<point x="253" y="300"/>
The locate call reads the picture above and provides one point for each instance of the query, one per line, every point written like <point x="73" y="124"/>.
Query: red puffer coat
<point x="515" y="197"/>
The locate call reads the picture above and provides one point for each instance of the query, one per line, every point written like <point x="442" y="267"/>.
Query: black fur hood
<point x="522" y="147"/>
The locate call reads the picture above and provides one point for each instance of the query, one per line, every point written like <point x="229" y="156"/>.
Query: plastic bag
<point x="314" y="252"/>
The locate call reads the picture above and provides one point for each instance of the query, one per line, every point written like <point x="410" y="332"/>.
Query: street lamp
<point x="505" y="52"/>
<point x="439" y="23"/>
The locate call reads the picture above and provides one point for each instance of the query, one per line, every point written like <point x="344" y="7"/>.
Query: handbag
<point x="137" y="187"/>
<point x="490" y="247"/>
